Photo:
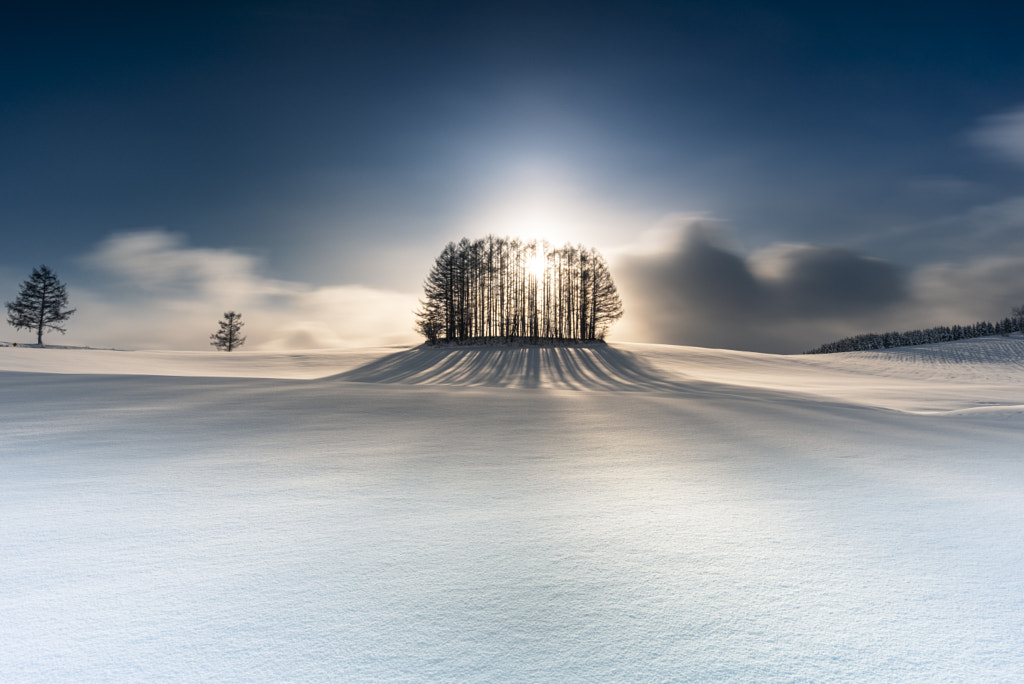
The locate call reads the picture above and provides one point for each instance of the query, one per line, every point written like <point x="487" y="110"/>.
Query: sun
<point x="537" y="266"/>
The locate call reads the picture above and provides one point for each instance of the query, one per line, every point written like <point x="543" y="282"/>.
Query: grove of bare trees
<point x="510" y="289"/>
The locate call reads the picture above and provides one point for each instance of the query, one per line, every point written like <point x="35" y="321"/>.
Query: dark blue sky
<point x="346" y="142"/>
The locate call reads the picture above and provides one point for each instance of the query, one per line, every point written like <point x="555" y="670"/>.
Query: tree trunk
<point x="42" y="317"/>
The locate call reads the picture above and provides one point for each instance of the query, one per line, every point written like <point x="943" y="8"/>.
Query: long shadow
<point x="600" y="368"/>
<point x="580" y="368"/>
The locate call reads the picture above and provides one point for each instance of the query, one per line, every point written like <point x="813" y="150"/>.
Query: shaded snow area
<point x="620" y="513"/>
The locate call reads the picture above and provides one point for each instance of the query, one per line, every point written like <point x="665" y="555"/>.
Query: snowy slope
<point x="955" y="375"/>
<point x="628" y="513"/>
<point x="238" y="364"/>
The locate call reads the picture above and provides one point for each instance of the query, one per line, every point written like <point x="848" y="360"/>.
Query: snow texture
<point x="619" y="513"/>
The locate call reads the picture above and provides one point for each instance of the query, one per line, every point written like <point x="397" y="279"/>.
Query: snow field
<point x="493" y="517"/>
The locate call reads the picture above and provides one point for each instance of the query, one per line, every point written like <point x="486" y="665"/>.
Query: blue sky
<point x="761" y="175"/>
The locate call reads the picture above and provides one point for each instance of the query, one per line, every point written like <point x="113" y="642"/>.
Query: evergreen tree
<point x="40" y="304"/>
<point x="227" y="338"/>
<point x="944" y="333"/>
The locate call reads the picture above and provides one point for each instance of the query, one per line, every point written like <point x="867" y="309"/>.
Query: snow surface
<point x="620" y="513"/>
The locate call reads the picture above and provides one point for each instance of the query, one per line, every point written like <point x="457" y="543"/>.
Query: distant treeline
<point x="509" y="289"/>
<point x="931" y="335"/>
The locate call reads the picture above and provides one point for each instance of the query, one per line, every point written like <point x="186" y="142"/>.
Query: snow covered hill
<point x="968" y="374"/>
<point x="629" y="512"/>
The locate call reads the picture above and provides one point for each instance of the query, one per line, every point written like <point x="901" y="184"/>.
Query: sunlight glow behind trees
<point x="504" y="288"/>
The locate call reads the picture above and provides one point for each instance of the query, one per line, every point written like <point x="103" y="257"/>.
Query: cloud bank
<point x="154" y="291"/>
<point x="698" y="290"/>
<point x="685" y="283"/>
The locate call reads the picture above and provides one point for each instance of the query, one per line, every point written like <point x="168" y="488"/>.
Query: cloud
<point x="687" y="282"/>
<point x="700" y="291"/>
<point x="993" y="228"/>
<point x="983" y="288"/>
<point x="694" y="287"/>
<point x="154" y="291"/>
<point x="802" y="281"/>
<point x="999" y="220"/>
<point x="1002" y="134"/>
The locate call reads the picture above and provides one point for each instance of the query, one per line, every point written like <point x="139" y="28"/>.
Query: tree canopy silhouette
<point x="229" y="337"/>
<point x="945" y="333"/>
<point x="40" y="304"/>
<point x="505" y="288"/>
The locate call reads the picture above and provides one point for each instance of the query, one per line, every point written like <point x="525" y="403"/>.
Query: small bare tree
<point x="228" y="338"/>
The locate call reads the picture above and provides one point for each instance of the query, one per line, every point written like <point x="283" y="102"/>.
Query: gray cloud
<point x="996" y="227"/>
<point x="983" y="288"/>
<point x="700" y="292"/>
<point x="696" y="289"/>
<point x="804" y="280"/>
<point x="702" y="272"/>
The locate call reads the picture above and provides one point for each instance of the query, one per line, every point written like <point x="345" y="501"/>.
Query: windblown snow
<point x="608" y="513"/>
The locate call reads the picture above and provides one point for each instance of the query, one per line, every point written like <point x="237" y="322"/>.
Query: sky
<point x="766" y="176"/>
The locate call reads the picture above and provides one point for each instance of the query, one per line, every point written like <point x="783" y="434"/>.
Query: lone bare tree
<point x="227" y="338"/>
<point x="40" y="304"/>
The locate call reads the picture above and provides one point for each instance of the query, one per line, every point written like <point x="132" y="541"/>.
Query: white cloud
<point x="1002" y="134"/>
<point x="157" y="292"/>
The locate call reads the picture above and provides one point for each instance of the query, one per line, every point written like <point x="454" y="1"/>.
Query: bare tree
<point x="510" y="289"/>
<point x="429" y="320"/>
<point x="228" y="338"/>
<point x="40" y="304"/>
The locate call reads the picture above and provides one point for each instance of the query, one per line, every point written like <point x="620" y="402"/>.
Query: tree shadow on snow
<point x="579" y="368"/>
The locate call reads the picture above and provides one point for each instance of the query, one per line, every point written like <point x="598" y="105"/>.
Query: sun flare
<point x="532" y="215"/>
<point x="536" y="266"/>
